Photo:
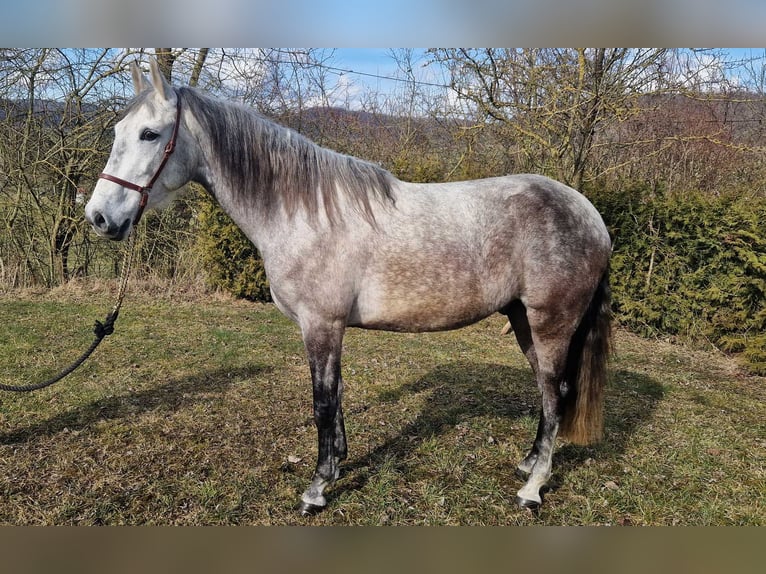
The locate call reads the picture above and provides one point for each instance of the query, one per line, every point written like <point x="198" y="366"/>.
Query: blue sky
<point x="402" y="22"/>
<point x="376" y="60"/>
<point x="368" y="58"/>
<point x="379" y="62"/>
<point x="373" y="69"/>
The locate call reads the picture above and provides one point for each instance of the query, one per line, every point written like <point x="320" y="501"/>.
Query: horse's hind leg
<point x="341" y="448"/>
<point x="550" y="334"/>
<point x="517" y="315"/>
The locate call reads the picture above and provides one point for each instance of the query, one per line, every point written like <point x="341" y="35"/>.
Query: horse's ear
<point x="158" y="80"/>
<point x="139" y="80"/>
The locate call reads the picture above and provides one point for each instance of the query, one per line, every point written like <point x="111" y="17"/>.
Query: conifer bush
<point x="231" y="261"/>
<point x="690" y="265"/>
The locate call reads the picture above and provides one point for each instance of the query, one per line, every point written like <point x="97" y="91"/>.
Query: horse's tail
<point x="589" y="351"/>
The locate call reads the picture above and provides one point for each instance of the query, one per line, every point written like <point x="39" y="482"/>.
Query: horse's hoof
<point x="528" y="503"/>
<point x="307" y="509"/>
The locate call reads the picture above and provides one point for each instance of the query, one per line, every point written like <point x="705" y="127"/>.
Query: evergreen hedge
<point x="690" y="265"/>
<point x="687" y="265"/>
<point x="231" y="261"/>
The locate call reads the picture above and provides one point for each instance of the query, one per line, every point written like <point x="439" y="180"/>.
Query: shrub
<point x="690" y="265"/>
<point x="231" y="261"/>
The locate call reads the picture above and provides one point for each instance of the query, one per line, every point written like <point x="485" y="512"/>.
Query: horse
<point x="345" y="244"/>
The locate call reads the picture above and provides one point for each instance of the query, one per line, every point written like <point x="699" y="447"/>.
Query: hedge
<point x="232" y="263"/>
<point x="691" y="266"/>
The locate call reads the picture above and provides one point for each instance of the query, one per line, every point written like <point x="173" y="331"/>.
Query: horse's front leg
<point x="323" y="346"/>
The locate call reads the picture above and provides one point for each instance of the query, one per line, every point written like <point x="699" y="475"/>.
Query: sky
<point x="371" y="67"/>
<point x="394" y="22"/>
<point x="376" y="70"/>
<point x="378" y="61"/>
<point x="366" y="59"/>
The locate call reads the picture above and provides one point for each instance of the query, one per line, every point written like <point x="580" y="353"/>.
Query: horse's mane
<point x="277" y="167"/>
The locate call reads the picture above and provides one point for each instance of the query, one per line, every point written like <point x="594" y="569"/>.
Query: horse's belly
<point x="434" y="282"/>
<point x="417" y="319"/>
<point x="419" y="309"/>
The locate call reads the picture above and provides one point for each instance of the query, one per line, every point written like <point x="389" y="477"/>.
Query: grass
<point x="199" y="412"/>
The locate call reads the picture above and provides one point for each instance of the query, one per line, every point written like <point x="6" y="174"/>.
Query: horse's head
<point x="149" y="159"/>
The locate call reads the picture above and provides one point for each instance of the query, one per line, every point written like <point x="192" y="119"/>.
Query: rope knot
<point x="106" y="328"/>
<point x="100" y="329"/>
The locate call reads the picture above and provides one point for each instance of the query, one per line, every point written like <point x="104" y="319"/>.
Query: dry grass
<point x="189" y="412"/>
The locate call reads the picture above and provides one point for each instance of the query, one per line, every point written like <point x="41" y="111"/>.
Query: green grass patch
<point x="189" y="412"/>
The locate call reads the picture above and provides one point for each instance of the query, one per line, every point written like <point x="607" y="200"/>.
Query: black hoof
<point x="308" y="509"/>
<point x="528" y="503"/>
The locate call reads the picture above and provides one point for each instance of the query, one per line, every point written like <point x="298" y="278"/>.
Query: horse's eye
<point x="148" y="135"/>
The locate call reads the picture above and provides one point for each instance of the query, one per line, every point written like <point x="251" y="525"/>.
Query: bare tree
<point x="551" y="103"/>
<point x="54" y="131"/>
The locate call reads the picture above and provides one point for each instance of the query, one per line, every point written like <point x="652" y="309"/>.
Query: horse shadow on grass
<point x="464" y="390"/>
<point x="456" y="392"/>
<point x="170" y="396"/>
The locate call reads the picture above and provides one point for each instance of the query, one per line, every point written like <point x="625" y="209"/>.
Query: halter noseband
<point x="145" y="189"/>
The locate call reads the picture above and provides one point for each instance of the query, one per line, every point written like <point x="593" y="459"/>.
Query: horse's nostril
<point x="98" y="219"/>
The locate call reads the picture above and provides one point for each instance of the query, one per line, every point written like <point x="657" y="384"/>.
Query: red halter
<point x="145" y="189"/>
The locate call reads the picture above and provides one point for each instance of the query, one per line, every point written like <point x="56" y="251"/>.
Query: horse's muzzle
<point x="106" y="228"/>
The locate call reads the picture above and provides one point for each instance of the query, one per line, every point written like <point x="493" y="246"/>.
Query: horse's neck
<point x="246" y="217"/>
<point x="261" y="213"/>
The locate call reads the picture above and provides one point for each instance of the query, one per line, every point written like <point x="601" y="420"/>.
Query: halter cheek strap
<point x="145" y="189"/>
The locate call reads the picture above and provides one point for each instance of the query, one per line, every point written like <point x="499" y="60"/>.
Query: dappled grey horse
<point x="346" y="244"/>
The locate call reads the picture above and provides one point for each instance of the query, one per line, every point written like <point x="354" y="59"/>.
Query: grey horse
<point x="346" y="244"/>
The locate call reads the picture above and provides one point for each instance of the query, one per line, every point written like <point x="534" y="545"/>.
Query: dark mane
<point x="277" y="167"/>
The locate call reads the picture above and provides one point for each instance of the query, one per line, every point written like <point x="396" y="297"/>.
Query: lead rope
<point x="100" y="330"/>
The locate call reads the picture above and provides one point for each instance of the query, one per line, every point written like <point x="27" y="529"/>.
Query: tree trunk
<point x="165" y="59"/>
<point x="199" y="62"/>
